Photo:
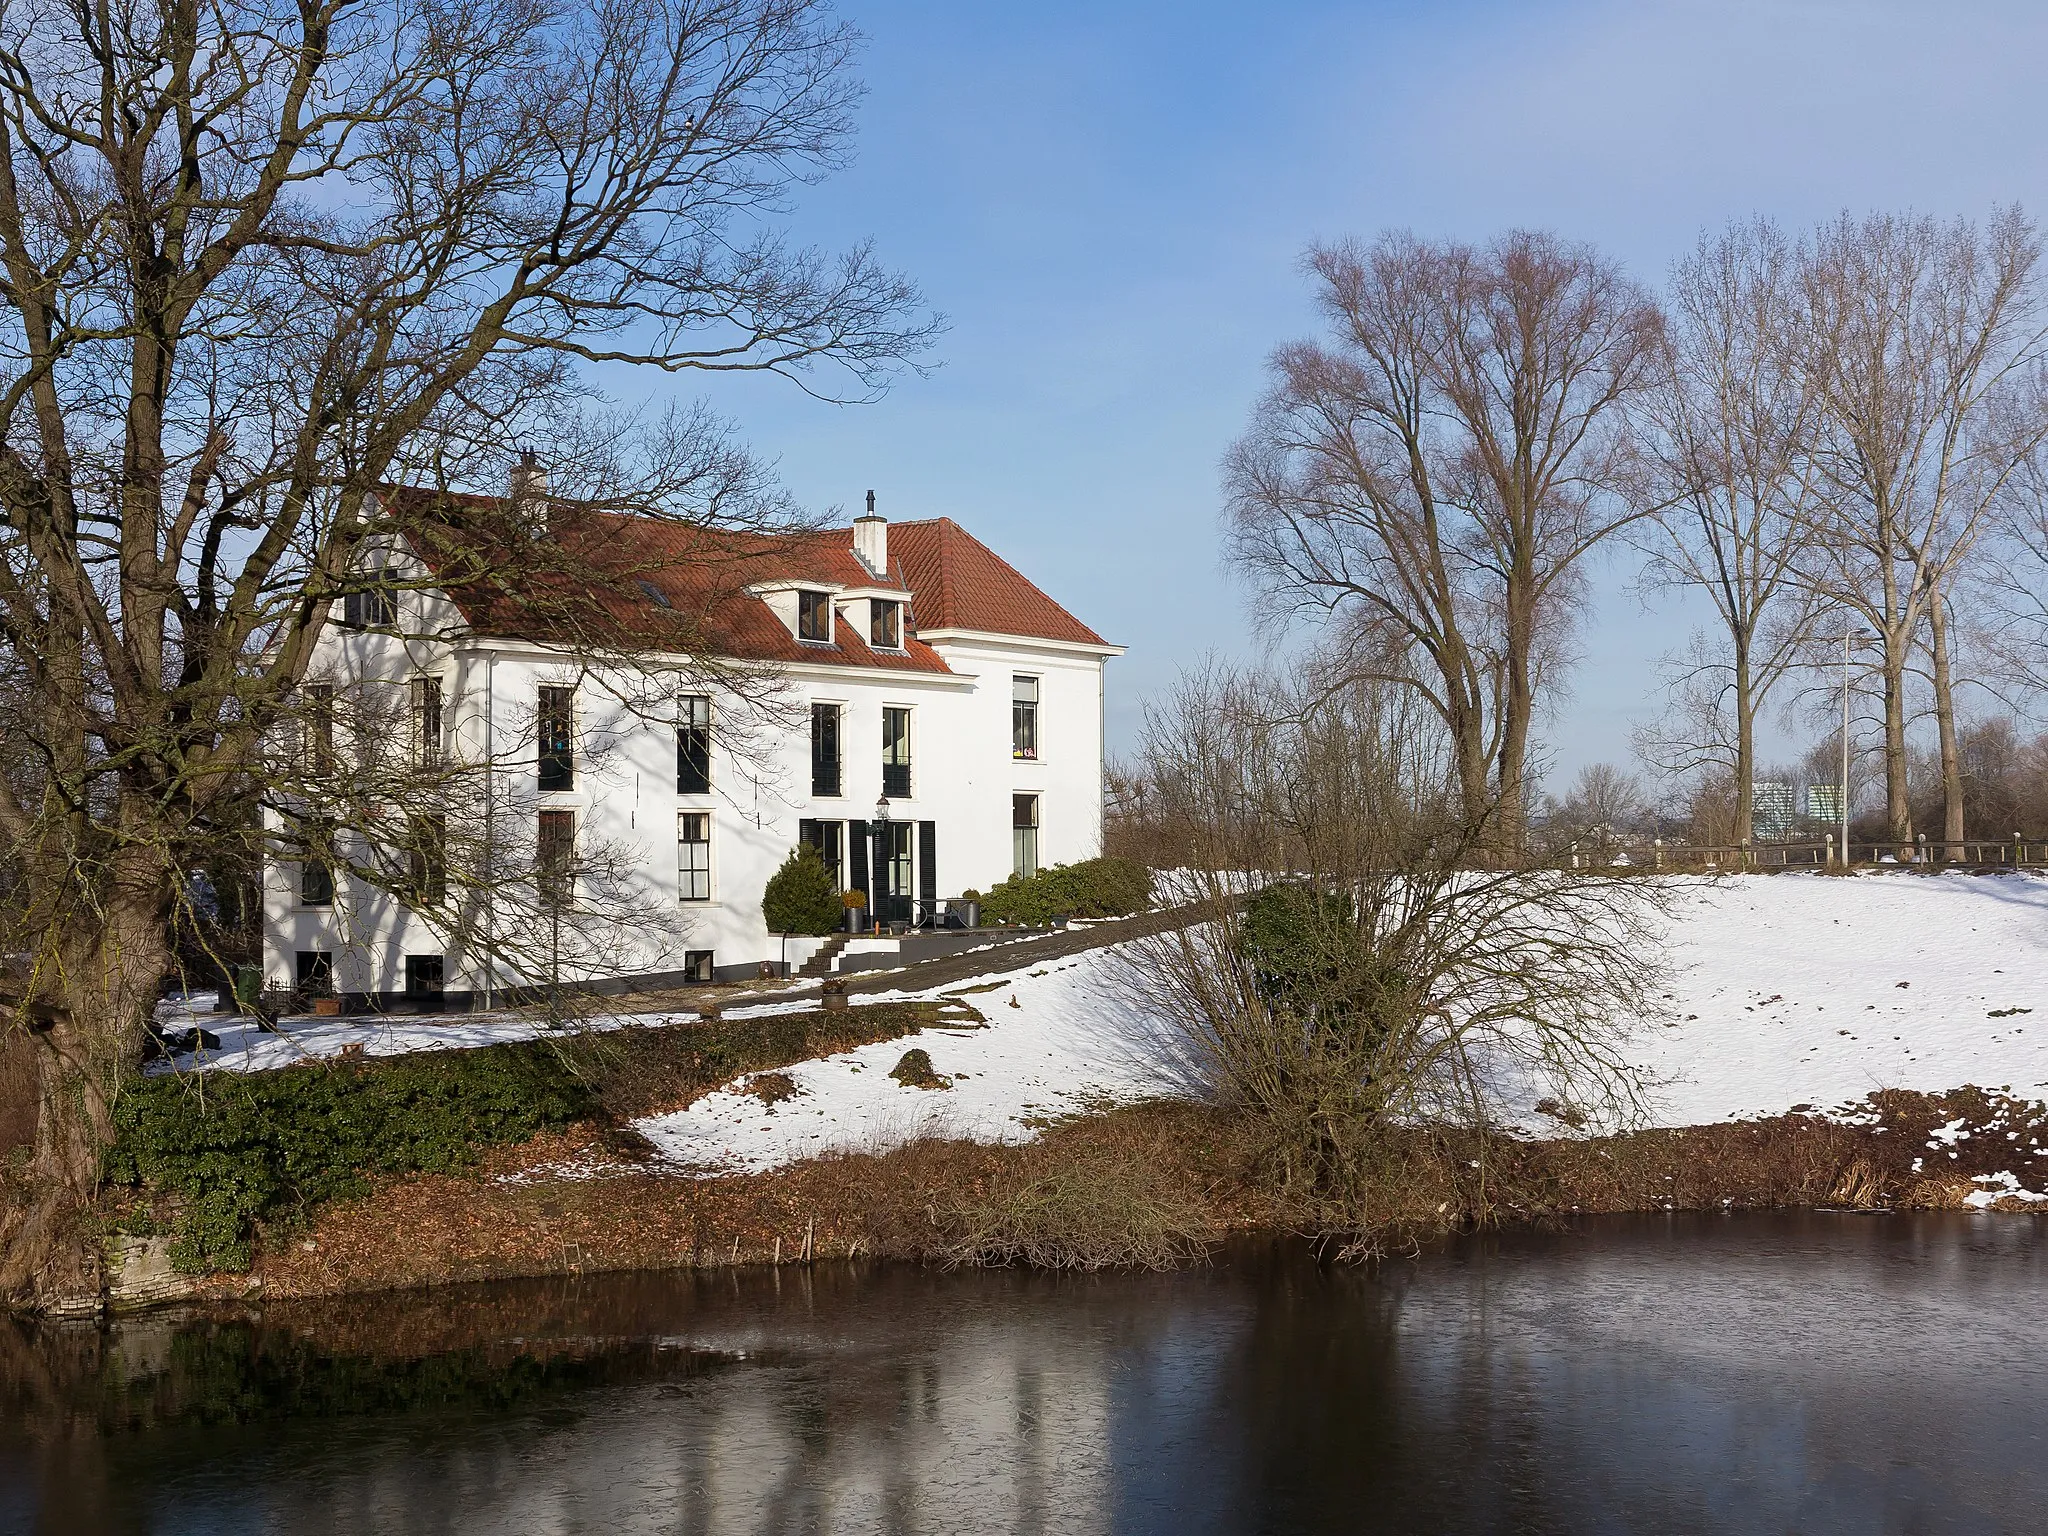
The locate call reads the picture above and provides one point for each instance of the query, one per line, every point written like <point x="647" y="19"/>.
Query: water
<point x="1805" y="1373"/>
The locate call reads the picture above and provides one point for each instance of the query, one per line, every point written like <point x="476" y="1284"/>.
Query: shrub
<point x="801" y="897"/>
<point x="1089" y="1203"/>
<point x="238" y="1150"/>
<point x="1092" y="888"/>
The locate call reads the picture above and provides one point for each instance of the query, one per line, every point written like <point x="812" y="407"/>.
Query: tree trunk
<point x="1898" y="807"/>
<point x="1518" y="702"/>
<point x="110" y="974"/>
<point x="1945" y="725"/>
<point x="1745" y="748"/>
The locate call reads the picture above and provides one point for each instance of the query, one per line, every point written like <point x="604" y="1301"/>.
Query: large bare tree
<point x="1433" y="474"/>
<point x="257" y="260"/>
<point x="1724" y="466"/>
<point x="1925" y="343"/>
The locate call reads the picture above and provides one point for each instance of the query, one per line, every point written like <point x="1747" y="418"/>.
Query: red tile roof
<point x="963" y="584"/>
<point x="610" y="580"/>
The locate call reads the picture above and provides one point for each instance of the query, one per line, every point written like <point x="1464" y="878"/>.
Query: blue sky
<point x="1108" y="201"/>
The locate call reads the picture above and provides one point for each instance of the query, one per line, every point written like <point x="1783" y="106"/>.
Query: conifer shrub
<point x="801" y="897"/>
<point x="1106" y="887"/>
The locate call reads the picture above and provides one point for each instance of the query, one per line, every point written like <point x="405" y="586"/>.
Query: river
<point x="1806" y="1372"/>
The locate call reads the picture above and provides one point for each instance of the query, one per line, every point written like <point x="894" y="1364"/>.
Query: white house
<point x="899" y="696"/>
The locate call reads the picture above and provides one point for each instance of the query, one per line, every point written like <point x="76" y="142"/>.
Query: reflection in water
<point x="1756" y="1373"/>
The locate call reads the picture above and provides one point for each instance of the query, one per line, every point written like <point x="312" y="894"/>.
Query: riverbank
<point x="1149" y="1185"/>
<point x="1808" y="1054"/>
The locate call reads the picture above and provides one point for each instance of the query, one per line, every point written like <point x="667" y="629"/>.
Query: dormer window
<point x="814" y="615"/>
<point x="376" y="607"/>
<point x="885" y="625"/>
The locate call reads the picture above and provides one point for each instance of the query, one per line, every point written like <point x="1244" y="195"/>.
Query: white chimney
<point x="871" y="540"/>
<point x="529" y="481"/>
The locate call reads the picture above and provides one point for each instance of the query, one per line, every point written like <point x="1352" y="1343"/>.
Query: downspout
<point x="1101" y="746"/>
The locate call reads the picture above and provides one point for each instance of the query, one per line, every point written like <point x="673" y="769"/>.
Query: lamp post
<point x="881" y="852"/>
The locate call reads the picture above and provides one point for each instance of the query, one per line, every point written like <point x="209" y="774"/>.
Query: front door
<point x="892" y="881"/>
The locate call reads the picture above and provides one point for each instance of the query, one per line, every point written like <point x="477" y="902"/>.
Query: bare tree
<point x="1433" y="475"/>
<point x="1354" y="974"/>
<point x="1722" y="473"/>
<point x="1603" y="804"/>
<point x="1924" y="343"/>
<point x="258" y="262"/>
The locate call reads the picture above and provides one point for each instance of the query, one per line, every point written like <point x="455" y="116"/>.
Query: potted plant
<point x="856" y="902"/>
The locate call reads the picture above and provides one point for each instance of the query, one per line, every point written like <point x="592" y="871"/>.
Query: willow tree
<point x="258" y="260"/>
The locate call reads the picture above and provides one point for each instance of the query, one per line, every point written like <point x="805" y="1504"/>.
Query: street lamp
<point x="881" y="852"/>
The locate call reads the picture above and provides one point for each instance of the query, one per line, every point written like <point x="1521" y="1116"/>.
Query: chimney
<point x="527" y="489"/>
<point x="871" y="540"/>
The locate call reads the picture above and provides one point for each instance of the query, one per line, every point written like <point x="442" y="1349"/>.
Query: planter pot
<point x="327" y="1007"/>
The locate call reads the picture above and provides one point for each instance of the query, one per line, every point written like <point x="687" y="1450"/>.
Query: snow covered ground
<point x="1059" y="1038"/>
<point x="1785" y="990"/>
<point x="1801" y="989"/>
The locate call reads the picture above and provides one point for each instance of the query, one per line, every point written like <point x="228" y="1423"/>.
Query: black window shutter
<point x="928" y="861"/>
<point x="857" y="854"/>
<point x="807" y="832"/>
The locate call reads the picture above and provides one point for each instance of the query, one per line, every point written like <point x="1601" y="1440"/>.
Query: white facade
<point x="965" y="774"/>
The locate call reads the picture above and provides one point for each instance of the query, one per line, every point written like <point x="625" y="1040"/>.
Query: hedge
<point x="1092" y="888"/>
<point x="241" y="1151"/>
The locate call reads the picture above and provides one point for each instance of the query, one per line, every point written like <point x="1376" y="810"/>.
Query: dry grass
<point x="1143" y="1186"/>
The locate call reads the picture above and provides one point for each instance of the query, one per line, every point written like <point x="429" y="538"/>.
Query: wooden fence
<point x="1976" y="853"/>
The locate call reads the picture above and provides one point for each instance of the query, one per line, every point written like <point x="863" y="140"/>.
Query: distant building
<point x="1771" y="808"/>
<point x="1824" y="802"/>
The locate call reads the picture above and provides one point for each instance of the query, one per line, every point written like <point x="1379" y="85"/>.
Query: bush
<point x="1092" y="888"/>
<point x="801" y="897"/>
<point x="1089" y="1203"/>
<point x="238" y="1150"/>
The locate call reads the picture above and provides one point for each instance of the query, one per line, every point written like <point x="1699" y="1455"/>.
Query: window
<point x="825" y="749"/>
<point x="313" y="972"/>
<point x="829" y="838"/>
<point x="316" y="884"/>
<point x="693" y="854"/>
<point x="1024" y="834"/>
<point x="316" y="868"/>
<point x="555" y="849"/>
<point x="557" y="738"/>
<point x="319" y="729"/>
<point x="1024" y="718"/>
<point x="426" y="720"/>
<point x="885" y="625"/>
<point x="424" y="981"/>
<point x="693" y="744"/>
<point x="697" y="965"/>
<point x="814" y="616"/>
<point x="374" y="608"/>
<point x="427" y="859"/>
<point x="896" y="752"/>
